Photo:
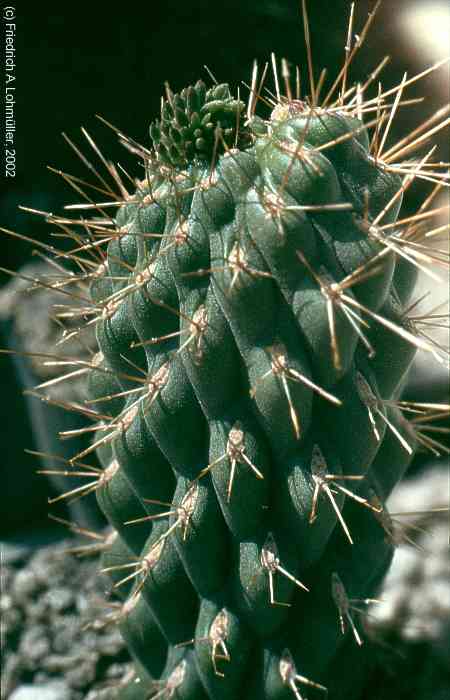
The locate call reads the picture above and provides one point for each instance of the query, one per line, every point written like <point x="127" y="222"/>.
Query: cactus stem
<point x="121" y="611"/>
<point x="280" y="368"/>
<point x="322" y="481"/>
<point x="142" y="566"/>
<point x="169" y="687"/>
<point x="197" y="329"/>
<point x="350" y="134"/>
<point x="236" y="263"/>
<point x="345" y="605"/>
<point x="102" y="477"/>
<point x="290" y="677"/>
<point x="412" y="252"/>
<point x="216" y="637"/>
<point x="235" y="453"/>
<point x="426" y="415"/>
<point x="338" y="289"/>
<point x="219" y="184"/>
<point x="271" y="562"/>
<point x="184" y="512"/>
<point x="333" y="295"/>
<point x="105" y="440"/>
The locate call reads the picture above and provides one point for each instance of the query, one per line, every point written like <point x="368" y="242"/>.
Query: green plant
<point x="251" y="313"/>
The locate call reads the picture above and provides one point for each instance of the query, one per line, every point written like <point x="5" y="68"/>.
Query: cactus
<point x="253" y="337"/>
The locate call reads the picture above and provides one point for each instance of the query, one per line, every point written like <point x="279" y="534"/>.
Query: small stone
<point x="52" y="566"/>
<point x="82" y="603"/>
<point x="78" y="695"/>
<point x="84" y="674"/>
<point x="55" y="690"/>
<point x="59" y="599"/>
<point x="41" y="677"/>
<point x="38" y="611"/>
<point x="102" y="694"/>
<point x="66" y="634"/>
<point x="6" y="603"/>
<point x="90" y="640"/>
<point x="115" y="671"/>
<point x="439" y="593"/>
<point x="12" y="669"/>
<point x="34" y="644"/>
<point x="11" y="623"/>
<point x="58" y="664"/>
<point x="25" y="585"/>
<point x="110" y="644"/>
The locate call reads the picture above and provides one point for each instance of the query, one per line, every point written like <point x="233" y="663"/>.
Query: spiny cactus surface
<point x="251" y="312"/>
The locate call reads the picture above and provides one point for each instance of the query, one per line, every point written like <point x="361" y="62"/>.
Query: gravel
<point x="55" y="690"/>
<point x="411" y="628"/>
<point x="48" y="598"/>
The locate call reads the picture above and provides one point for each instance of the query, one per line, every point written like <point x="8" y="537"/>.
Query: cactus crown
<point x="198" y="124"/>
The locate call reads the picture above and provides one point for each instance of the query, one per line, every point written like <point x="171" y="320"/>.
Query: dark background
<point x="75" y="60"/>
